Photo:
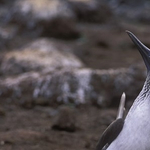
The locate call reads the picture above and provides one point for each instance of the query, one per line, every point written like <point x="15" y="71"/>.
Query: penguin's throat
<point x="145" y="92"/>
<point x="143" y="97"/>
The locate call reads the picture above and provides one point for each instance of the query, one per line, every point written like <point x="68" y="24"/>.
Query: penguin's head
<point x="144" y="51"/>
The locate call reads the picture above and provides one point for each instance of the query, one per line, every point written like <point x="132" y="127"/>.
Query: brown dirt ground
<point x="30" y="129"/>
<point x="99" y="47"/>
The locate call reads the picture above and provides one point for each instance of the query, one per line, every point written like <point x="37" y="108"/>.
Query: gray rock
<point x="134" y="10"/>
<point x="7" y="33"/>
<point x="76" y="86"/>
<point x="52" y="18"/>
<point x="39" y="55"/>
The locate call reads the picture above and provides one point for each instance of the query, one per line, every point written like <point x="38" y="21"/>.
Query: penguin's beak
<point x="145" y="51"/>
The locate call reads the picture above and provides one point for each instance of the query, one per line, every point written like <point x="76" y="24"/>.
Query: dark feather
<point x="110" y="133"/>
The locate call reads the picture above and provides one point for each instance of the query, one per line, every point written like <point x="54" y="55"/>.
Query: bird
<point x="134" y="131"/>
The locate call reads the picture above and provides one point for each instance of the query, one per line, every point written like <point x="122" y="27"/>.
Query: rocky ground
<point x="63" y="67"/>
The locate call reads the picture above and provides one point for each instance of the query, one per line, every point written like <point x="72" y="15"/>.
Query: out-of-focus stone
<point x="39" y="55"/>
<point x="65" y="120"/>
<point x="1" y="1"/>
<point x="52" y="18"/>
<point x="76" y="86"/>
<point x="131" y="9"/>
<point x="7" y="33"/>
<point x="92" y="11"/>
<point x="2" y="112"/>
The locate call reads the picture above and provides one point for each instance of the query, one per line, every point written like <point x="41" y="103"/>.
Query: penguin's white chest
<point x="135" y="134"/>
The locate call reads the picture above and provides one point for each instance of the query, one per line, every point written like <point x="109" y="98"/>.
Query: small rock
<point x="66" y="120"/>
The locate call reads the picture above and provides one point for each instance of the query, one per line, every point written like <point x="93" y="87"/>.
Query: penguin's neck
<point x="143" y="99"/>
<point x="145" y="92"/>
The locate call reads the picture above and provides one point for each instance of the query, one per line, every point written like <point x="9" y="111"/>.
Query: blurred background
<point x="63" y="67"/>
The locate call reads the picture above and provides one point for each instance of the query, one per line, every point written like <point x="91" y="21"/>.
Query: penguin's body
<point x="135" y="132"/>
